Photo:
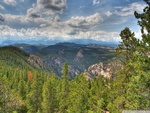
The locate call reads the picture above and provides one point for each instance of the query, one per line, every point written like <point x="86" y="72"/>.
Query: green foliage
<point x="128" y="45"/>
<point x="35" y="95"/>
<point x="15" y="57"/>
<point x="63" y="105"/>
<point x="131" y="85"/>
<point x="49" y="103"/>
<point x="26" y="90"/>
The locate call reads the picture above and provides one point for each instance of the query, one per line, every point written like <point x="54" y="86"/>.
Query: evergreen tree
<point x="63" y="105"/>
<point x="34" y="97"/>
<point x="49" y="95"/>
<point x="21" y="89"/>
<point x="78" y="96"/>
<point x="128" y="45"/>
<point x="131" y="87"/>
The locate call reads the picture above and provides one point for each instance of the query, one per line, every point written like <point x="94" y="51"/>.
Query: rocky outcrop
<point x="36" y="61"/>
<point x="79" y="56"/>
<point x="104" y="69"/>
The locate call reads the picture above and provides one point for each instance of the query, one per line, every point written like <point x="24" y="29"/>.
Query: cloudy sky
<point x="46" y="21"/>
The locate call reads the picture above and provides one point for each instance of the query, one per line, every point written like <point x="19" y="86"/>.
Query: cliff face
<point x="36" y="61"/>
<point x="104" y="69"/>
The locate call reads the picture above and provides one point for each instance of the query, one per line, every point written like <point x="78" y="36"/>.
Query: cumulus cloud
<point x="2" y="7"/>
<point x="24" y="21"/>
<point x="85" y="22"/>
<point x="46" y="7"/>
<point x="21" y="27"/>
<point x="10" y="2"/>
<point x="52" y="33"/>
<point x="52" y="5"/>
<point x="18" y="21"/>
<point x="95" y="2"/>
<point x="127" y="11"/>
<point x="33" y="13"/>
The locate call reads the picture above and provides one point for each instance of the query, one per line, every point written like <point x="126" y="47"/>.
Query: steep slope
<point x="15" y="57"/>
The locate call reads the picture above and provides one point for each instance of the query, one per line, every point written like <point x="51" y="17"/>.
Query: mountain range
<point x="51" y="58"/>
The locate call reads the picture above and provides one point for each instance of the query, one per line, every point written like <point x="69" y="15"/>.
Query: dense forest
<point x="24" y="89"/>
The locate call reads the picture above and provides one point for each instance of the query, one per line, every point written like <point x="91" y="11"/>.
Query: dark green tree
<point x="78" y="96"/>
<point x="21" y="89"/>
<point x="63" y="105"/>
<point x="35" y="95"/>
<point x="127" y="47"/>
<point x="49" y="95"/>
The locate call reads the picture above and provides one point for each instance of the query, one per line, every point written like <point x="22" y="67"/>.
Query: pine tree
<point x="128" y="45"/>
<point x="78" y="96"/>
<point x="21" y="89"/>
<point x="49" y="95"/>
<point x="63" y="105"/>
<point x="132" y="86"/>
<point x="34" y="97"/>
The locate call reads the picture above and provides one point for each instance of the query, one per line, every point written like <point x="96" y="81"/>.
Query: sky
<point x="50" y="21"/>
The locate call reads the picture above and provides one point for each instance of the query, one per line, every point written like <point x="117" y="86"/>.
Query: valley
<point x="79" y="57"/>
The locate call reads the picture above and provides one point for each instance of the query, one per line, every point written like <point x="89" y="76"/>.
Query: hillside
<point x="15" y="57"/>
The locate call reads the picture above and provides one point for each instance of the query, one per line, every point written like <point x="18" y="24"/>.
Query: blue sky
<point x="45" y="21"/>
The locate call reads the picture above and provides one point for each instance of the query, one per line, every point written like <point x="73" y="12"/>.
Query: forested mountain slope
<point x="14" y="57"/>
<point x="79" y="57"/>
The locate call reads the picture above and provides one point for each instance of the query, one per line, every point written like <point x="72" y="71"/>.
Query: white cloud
<point x="52" y="33"/>
<point x="85" y="22"/>
<point x="95" y="2"/>
<point x="2" y="7"/>
<point x="53" y="28"/>
<point x="129" y="10"/>
<point x="16" y="19"/>
<point x="10" y="2"/>
<point x="33" y="12"/>
<point x="24" y="21"/>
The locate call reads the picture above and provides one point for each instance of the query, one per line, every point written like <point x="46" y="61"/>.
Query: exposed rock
<point x="80" y="54"/>
<point x="36" y="61"/>
<point x="105" y="69"/>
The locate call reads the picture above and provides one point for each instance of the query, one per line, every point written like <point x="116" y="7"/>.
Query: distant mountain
<point x="90" y="41"/>
<point x="30" y="48"/>
<point x="78" y="56"/>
